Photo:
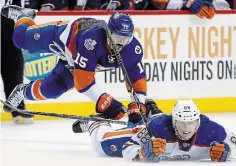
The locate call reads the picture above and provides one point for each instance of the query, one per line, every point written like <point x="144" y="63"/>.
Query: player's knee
<point x="19" y="38"/>
<point x="54" y="89"/>
<point x="49" y="88"/>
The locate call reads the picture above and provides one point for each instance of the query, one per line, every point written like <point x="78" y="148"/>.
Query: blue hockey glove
<point x="202" y="8"/>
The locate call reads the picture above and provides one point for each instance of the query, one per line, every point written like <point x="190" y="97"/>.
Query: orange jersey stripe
<point x="36" y="90"/>
<point x="83" y="78"/>
<point x="139" y="85"/>
<point x="122" y="132"/>
<point x="57" y="23"/>
<point x="24" y="20"/>
<point x="117" y="133"/>
<point x="74" y="31"/>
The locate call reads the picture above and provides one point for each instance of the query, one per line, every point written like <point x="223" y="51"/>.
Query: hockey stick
<point x="84" y="118"/>
<point x="103" y="24"/>
<point x="122" y="66"/>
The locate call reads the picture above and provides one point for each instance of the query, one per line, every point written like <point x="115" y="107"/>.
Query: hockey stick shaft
<point x="85" y="118"/>
<point x="121" y="64"/>
<point x="101" y="23"/>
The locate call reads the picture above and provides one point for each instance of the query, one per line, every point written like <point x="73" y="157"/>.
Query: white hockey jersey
<point x="195" y="149"/>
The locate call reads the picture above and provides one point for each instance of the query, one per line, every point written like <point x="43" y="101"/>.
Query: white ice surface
<point x="52" y="143"/>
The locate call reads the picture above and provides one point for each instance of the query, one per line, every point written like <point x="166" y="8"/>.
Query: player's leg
<point x="106" y="141"/>
<point x="51" y="87"/>
<point x="29" y="36"/>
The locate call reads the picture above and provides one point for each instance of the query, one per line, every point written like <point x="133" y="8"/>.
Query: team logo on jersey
<point x="113" y="148"/>
<point x="233" y="140"/>
<point x="36" y="36"/>
<point x="111" y="58"/>
<point x="185" y="144"/>
<point x="89" y="44"/>
<point x="138" y="50"/>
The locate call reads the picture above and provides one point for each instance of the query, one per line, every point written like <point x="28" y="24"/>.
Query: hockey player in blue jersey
<point x="184" y="135"/>
<point x="81" y="50"/>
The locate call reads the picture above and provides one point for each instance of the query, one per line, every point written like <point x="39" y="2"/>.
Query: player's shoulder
<point x="134" y="48"/>
<point x="209" y="131"/>
<point x="92" y="39"/>
<point x="132" y="53"/>
<point x="161" y="127"/>
<point x="96" y="33"/>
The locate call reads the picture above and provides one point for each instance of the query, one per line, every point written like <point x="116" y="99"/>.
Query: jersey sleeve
<point x="135" y="69"/>
<point x="210" y="131"/>
<point x="85" y="62"/>
<point x="130" y="148"/>
<point x="231" y="141"/>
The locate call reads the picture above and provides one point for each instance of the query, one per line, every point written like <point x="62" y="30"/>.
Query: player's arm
<point x="85" y="62"/>
<point x="137" y="76"/>
<point x="222" y="143"/>
<point x="221" y="150"/>
<point x="141" y="147"/>
<point x="136" y="72"/>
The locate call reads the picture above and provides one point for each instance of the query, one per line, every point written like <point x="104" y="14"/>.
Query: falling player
<point x="184" y="135"/>
<point x="81" y="50"/>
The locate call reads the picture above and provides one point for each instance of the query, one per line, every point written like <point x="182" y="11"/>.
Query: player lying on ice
<point x="80" y="51"/>
<point x="184" y="135"/>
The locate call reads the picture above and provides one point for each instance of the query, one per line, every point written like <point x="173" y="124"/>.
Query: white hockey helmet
<point x="185" y="118"/>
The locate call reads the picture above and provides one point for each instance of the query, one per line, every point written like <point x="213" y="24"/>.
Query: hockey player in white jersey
<point x="184" y="135"/>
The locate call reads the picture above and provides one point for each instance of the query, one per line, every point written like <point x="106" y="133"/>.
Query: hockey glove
<point x="152" y="149"/>
<point x="201" y="8"/>
<point x="112" y="108"/>
<point x="133" y="112"/>
<point x="152" y="108"/>
<point x="219" y="151"/>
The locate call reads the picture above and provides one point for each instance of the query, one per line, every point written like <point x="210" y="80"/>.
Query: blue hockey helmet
<point x="121" y="28"/>
<point x="121" y="24"/>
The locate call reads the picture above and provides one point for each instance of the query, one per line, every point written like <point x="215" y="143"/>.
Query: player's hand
<point x="219" y="151"/>
<point x="112" y="108"/>
<point x="152" y="108"/>
<point x="133" y="112"/>
<point x="152" y="149"/>
<point x="201" y="8"/>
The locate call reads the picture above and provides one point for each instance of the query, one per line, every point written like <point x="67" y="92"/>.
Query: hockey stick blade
<point x="66" y="116"/>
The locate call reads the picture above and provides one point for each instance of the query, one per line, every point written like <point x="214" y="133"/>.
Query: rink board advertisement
<point x="184" y="57"/>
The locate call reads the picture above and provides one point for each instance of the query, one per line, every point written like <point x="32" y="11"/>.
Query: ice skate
<point x="81" y="126"/>
<point x="13" y="12"/>
<point x="15" y="98"/>
<point x="23" y="120"/>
